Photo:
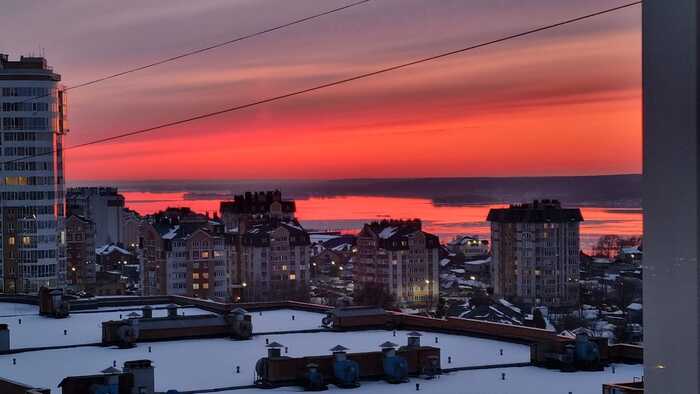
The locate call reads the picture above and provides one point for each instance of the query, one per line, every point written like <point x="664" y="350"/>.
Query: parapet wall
<point x="10" y="387"/>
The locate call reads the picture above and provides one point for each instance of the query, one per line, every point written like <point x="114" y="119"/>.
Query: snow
<point x="281" y="320"/>
<point x="526" y="380"/>
<point x="631" y="250"/>
<point x="172" y="233"/>
<point x="509" y="305"/>
<point x="478" y="262"/>
<point x="209" y="363"/>
<point x="83" y="328"/>
<point x="634" y="306"/>
<point x="444" y="262"/>
<point x="109" y="248"/>
<point x="14" y="309"/>
<point x="388" y="232"/>
<point x="320" y="238"/>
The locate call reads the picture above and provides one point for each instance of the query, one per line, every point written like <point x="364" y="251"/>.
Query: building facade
<point x="32" y="208"/>
<point x="470" y="246"/>
<point x="275" y="256"/>
<point x="399" y="257"/>
<point x="254" y="206"/>
<point x="184" y="253"/>
<point x="535" y="252"/>
<point x="80" y="252"/>
<point x="102" y="205"/>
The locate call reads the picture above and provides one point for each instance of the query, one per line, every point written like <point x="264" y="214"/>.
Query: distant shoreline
<point x="612" y="191"/>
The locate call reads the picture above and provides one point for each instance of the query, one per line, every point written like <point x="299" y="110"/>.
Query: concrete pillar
<point x="670" y="196"/>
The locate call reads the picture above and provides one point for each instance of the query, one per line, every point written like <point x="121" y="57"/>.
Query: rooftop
<point x="203" y="364"/>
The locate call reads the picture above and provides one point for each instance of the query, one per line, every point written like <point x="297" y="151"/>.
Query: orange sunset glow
<point x="564" y="102"/>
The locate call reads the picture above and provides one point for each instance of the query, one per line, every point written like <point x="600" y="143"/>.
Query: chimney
<point x="414" y="339"/>
<point x="147" y="312"/>
<point x="388" y="349"/>
<point x="143" y="373"/>
<point x="340" y="352"/>
<point x="4" y="338"/>
<point x="274" y="350"/>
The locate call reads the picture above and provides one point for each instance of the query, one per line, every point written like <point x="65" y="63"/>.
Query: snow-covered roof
<point x="478" y="262"/>
<point x="631" y="250"/>
<point x="171" y="233"/>
<point x="109" y="248"/>
<point x="202" y="368"/>
<point x="388" y="232"/>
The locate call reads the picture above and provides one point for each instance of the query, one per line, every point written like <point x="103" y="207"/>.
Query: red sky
<point x="566" y="101"/>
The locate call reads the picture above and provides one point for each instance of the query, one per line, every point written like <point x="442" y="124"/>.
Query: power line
<point x="205" y="49"/>
<point x="338" y="82"/>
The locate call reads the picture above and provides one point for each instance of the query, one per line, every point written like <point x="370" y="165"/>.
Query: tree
<point x="538" y="319"/>
<point x="608" y="246"/>
<point x="375" y="295"/>
<point x="441" y="308"/>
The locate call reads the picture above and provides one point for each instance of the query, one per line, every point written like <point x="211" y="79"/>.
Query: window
<point x="292" y="276"/>
<point x="195" y="286"/>
<point x="205" y="255"/>
<point x="195" y="275"/>
<point x="11" y="240"/>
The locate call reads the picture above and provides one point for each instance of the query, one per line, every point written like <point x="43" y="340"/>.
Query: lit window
<point x="292" y="276"/>
<point x="11" y="240"/>
<point x="284" y="268"/>
<point x="26" y="241"/>
<point x="195" y="286"/>
<point x="205" y="255"/>
<point x="195" y="275"/>
<point x="205" y="285"/>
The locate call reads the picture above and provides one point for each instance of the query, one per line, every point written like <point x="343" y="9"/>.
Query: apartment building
<point x="399" y="257"/>
<point x="470" y="246"/>
<point x="102" y="205"/>
<point x="80" y="252"/>
<point x="535" y="250"/>
<point x="184" y="253"/>
<point x="32" y="209"/>
<point x="275" y="255"/>
<point x="251" y="207"/>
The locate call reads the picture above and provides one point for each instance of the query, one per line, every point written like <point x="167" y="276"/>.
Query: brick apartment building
<point x="401" y="258"/>
<point x="275" y="256"/>
<point x="268" y="249"/>
<point x="184" y="253"/>
<point x="80" y="252"/>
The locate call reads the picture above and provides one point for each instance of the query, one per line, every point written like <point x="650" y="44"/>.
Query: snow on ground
<point x="526" y="380"/>
<point x="281" y="320"/>
<point x="86" y="327"/>
<point x="40" y="331"/>
<point x="13" y="309"/>
<point x="209" y="363"/>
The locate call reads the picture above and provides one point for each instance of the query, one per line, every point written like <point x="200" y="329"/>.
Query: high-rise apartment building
<point x="102" y="205"/>
<point x="397" y="256"/>
<point x="32" y="209"/>
<point x="535" y="253"/>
